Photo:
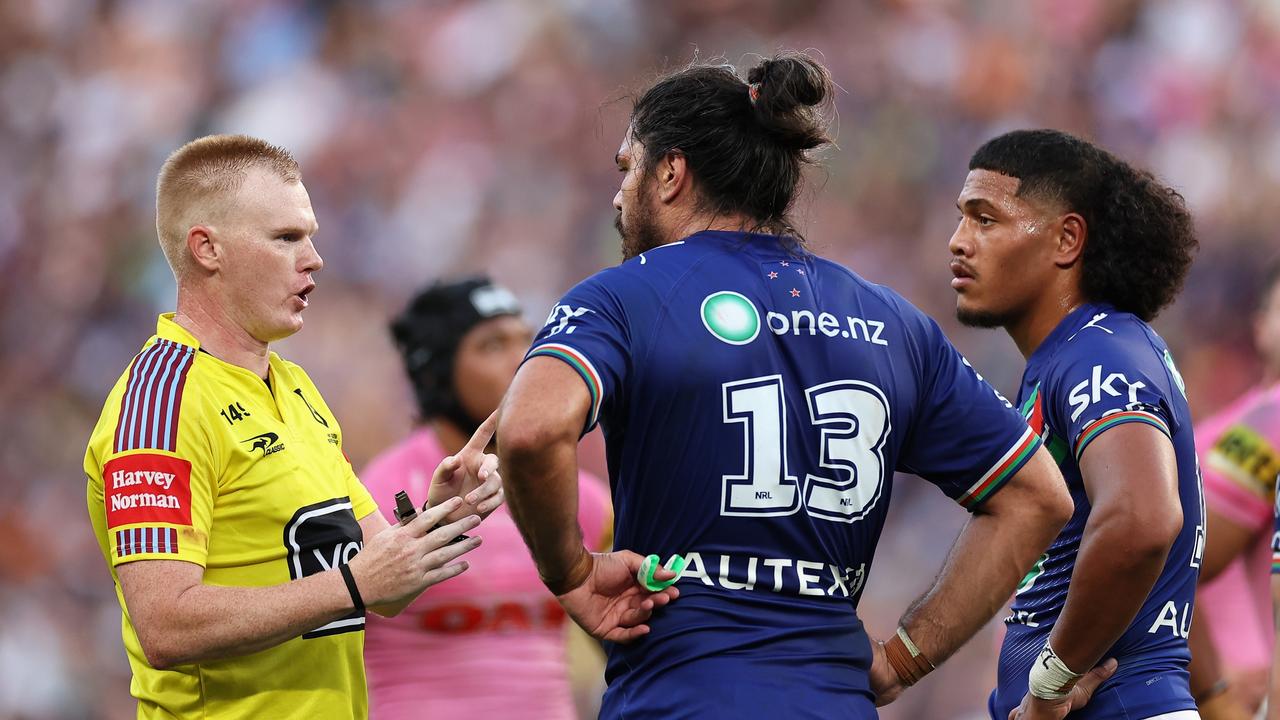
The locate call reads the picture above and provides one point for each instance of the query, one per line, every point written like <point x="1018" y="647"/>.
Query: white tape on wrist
<point x="911" y="646"/>
<point x="1050" y="678"/>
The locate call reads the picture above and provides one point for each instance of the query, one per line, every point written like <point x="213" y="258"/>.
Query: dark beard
<point x="983" y="319"/>
<point x="642" y="234"/>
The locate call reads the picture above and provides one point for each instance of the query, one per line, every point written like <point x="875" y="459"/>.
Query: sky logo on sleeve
<point x="1089" y="391"/>
<point x="562" y="315"/>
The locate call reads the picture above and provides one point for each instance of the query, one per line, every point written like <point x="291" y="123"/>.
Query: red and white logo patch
<point x="147" y="488"/>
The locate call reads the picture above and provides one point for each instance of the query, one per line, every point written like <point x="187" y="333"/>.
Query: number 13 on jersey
<point x="853" y="422"/>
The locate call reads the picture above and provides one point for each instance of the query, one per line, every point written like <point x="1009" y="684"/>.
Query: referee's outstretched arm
<point x="181" y="620"/>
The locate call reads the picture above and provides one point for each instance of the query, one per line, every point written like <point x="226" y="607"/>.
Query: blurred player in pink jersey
<point x="1239" y="451"/>
<point x="492" y="644"/>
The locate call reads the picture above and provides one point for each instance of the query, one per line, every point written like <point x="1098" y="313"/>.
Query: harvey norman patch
<point x="147" y="488"/>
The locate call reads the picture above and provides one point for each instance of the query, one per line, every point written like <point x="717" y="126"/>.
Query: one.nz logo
<point x="268" y="442"/>
<point x="321" y="537"/>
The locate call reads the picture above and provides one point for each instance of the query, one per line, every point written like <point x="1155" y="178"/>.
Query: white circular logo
<point x="730" y="317"/>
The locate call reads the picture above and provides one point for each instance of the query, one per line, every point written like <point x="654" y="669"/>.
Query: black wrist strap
<point x="350" y="580"/>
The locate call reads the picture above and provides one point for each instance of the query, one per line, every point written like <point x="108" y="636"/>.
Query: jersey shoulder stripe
<point x="1002" y="470"/>
<point x="583" y="366"/>
<point x="1106" y="422"/>
<point x="152" y="399"/>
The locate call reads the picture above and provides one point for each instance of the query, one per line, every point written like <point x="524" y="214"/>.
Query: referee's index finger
<point x="429" y="518"/>
<point x="483" y="434"/>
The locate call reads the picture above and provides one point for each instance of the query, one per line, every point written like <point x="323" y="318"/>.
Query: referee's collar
<point x="167" y="329"/>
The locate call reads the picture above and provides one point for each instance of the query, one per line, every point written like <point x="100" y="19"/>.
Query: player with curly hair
<point x="1072" y="251"/>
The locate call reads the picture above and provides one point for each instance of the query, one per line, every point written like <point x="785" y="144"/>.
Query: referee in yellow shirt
<point x="243" y="547"/>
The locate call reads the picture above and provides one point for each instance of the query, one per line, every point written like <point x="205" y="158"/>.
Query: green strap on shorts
<point x="644" y="575"/>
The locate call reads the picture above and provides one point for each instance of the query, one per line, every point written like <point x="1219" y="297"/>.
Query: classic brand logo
<point x="147" y="488"/>
<point x="730" y="317"/>
<point x="268" y="442"/>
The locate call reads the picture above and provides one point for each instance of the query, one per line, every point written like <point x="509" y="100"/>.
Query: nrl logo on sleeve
<point x="268" y="442"/>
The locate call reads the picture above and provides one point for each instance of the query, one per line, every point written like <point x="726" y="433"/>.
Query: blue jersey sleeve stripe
<point x="1006" y="467"/>
<point x="584" y="368"/>
<point x="1106" y="422"/>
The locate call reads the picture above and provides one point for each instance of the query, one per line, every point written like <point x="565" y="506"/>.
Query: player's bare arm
<point x="1208" y="686"/>
<point x="1225" y="540"/>
<point x="540" y="421"/>
<point x="541" y="418"/>
<point x="1130" y="475"/>
<point x="994" y="551"/>
<point x="180" y="620"/>
<point x="1215" y="699"/>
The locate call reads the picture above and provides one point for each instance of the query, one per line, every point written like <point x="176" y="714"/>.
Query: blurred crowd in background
<point x="449" y="137"/>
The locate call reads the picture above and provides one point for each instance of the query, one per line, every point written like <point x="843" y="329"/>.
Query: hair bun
<point x="788" y="92"/>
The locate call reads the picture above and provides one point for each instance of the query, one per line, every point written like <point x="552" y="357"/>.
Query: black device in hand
<point x="405" y="512"/>
<point x="404" y="508"/>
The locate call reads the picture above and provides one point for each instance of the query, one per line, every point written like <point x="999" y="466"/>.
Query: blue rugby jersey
<point x="1100" y="368"/>
<point x="755" y="404"/>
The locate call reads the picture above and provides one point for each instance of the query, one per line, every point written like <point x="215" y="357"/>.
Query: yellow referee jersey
<point x="195" y="459"/>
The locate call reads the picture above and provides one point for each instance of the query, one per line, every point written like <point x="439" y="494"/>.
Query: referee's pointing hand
<point x="472" y="474"/>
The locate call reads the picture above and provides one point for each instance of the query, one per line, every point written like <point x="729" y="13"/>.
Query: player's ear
<point x="672" y="173"/>
<point x="1072" y="234"/>
<point x="204" y="250"/>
